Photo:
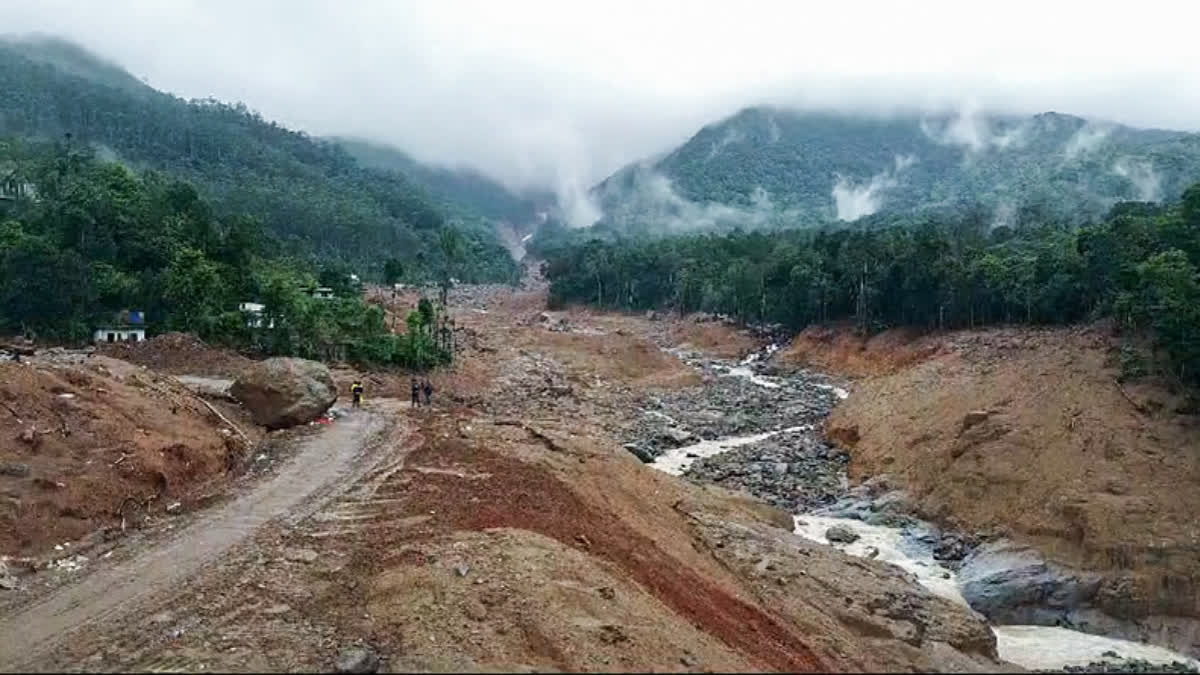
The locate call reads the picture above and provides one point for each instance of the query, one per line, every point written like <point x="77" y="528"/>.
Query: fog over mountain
<point x="557" y="96"/>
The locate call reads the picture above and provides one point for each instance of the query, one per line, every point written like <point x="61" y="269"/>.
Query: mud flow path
<point x="324" y="465"/>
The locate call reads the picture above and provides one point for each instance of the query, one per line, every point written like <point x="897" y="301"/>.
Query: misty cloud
<point x="853" y="201"/>
<point x="1004" y="215"/>
<point x="1141" y="173"/>
<point x="1089" y="138"/>
<point x="654" y="198"/>
<point x="731" y="136"/>
<point x="560" y="95"/>
<point x="969" y="128"/>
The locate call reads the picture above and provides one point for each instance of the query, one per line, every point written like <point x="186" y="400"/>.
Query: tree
<point x="393" y="270"/>
<point x="195" y="291"/>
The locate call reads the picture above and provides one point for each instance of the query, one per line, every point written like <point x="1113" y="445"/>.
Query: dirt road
<point x="324" y="465"/>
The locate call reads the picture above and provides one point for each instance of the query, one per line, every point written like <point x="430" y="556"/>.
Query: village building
<point x="126" y="326"/>
<point x="254" y="315"/>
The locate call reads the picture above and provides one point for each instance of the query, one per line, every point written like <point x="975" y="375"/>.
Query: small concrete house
<point x="253" y="312"/>
<point x="127" y="326"/>
<point x="119" y="334"/>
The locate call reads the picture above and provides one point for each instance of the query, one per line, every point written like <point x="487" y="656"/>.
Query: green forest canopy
<point x="1141" y="265"/>
<point x="311" y="197"/>
<point x="82" y="239"/>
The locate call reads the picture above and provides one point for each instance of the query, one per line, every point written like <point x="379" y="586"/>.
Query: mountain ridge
<point x="312" y="196"/>
<point x="777" y="166"/>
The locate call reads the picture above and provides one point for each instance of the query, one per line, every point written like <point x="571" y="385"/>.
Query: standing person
<point x="416" y="392"/>
<point x="356" y="391"/>
<point x="428" y="389"/>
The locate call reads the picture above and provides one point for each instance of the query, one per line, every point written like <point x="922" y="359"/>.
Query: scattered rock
<point x="302" y="555"/>
<point x="974" y="417"/>
<point x="162" y="618"/>
<point x="16" y="469"/>
<point x="952" y="547"/>
<point x="283" y="392"/>
<point x="611" y="635"/>
<point x="357" y="660"/>
<point x="677" y="435"/>
<point x="1131" y="666"/>
<point x="641" y="453"/>
<point x="475" y="610"/>
<point x="841" y="534"/>
<point x="8" y="582"/>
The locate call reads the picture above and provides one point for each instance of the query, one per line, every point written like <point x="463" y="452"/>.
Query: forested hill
<point x="313" y="198"/>
<point x="463" y="192"/>
<point x="776" y="167"/>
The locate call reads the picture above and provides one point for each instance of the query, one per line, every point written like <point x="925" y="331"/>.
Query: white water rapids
<point x="1032" y="647"/>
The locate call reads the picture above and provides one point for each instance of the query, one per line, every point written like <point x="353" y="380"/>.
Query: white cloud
<point x="653" y="198"/>
<point x="1141" y="173"/>
<point x="474" y="81"/>
<point x="969" y="127"/>
<point x="1088" y="138"/>
<point x="854" y="201"/>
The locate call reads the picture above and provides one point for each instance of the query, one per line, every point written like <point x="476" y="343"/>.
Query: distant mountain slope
<point x="311" y="195"/>
<point x="769" y="166"/>
<point x="463" y="191"/>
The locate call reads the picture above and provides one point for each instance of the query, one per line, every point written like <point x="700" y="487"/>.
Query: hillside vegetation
<point x="1140" y="265"/>
<point x="464" y="192"/>
<point x="768" y="167"/>
<point x="312" y="197"/>
<point x="82" y="239"/>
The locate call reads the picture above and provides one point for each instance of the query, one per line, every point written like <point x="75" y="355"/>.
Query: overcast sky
<point x="559" y="93"/>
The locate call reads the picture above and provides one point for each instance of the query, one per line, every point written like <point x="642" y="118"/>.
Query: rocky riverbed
<point x="748" y="428"/>
<point x="732" y="401"/>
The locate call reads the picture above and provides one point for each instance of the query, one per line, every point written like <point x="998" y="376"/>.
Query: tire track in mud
<point x="325" y="464"/>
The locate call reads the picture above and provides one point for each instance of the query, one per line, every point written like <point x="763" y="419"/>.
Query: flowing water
<point x="1033" y="647"/>
<point x="677" y="461"/>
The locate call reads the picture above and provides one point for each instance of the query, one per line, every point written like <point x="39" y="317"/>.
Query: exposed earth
<point x="515" y="525"/>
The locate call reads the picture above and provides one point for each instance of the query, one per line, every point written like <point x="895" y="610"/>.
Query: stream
<point x="747" y="430"/>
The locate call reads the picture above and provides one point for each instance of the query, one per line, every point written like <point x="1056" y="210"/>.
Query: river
<point x="909" y="548"/>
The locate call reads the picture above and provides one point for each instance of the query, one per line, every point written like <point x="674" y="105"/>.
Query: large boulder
<point x="1009" y="583"/>
<point x="284" y="392"/>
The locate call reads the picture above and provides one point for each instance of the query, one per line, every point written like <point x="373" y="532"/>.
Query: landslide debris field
<point x="527" y="521"/>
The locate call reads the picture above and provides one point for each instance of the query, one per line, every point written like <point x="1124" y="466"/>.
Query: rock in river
<point x="284" y="392"/>
<point x="841" y="534"/>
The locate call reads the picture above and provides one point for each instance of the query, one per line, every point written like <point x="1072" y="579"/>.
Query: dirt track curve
<point x="324" y="465"/>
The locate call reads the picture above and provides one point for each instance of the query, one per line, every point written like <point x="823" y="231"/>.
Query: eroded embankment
<point x="1029" y="435"/>
<point x="793" y="468"/>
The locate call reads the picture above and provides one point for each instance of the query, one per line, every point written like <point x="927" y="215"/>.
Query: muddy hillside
<point x="1083" y="483"/>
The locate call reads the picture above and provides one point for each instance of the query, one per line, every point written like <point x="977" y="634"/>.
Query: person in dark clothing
<point x="428" y="389"/>
<point x="356" y="391"/>
<point x="416" y="393"/>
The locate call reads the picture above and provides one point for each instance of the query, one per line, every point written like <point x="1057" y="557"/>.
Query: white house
<point x="322" y="292"/>
<point x="119" y="334"/>
<point x="253" y="312"/>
